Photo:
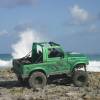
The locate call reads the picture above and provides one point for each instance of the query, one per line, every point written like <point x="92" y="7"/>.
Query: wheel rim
<point x="38" y="81"/>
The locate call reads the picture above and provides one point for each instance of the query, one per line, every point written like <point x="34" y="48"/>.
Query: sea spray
<point x="93" y="66"/>
<point x="22" y="46"/>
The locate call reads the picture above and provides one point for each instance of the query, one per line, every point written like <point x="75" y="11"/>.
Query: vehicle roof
<point x="47" y="44"/>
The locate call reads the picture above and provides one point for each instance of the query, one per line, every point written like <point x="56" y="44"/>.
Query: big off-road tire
<point x="80" y="78"/>
<point x="37" y="80"/>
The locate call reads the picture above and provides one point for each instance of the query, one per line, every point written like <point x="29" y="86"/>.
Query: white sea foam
<point x="93" y="66"/>
<point x="4" y="63"/>
<point x="24" y="45"/>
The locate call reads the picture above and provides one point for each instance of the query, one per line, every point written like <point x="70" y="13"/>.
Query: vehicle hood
<point x="75" y="58"/>
<point x="71" y="54"/>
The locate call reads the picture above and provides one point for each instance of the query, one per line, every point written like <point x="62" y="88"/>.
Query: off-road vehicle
<point x="49" y="59"/>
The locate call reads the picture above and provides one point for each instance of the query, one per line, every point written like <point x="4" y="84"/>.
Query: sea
<point x="5" y="57"/>
<point x="94" y="61"/>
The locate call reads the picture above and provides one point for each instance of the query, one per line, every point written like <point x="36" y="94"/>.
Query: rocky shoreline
<point x="11" y="89"/>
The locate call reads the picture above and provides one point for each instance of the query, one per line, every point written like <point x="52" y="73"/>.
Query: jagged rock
<point x="11" y="89"/>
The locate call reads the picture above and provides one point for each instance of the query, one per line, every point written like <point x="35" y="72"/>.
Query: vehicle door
<point x="56" y="61"/>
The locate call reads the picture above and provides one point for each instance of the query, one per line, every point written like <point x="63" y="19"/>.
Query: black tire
<point x="37" y="80"/>
<point x="80" y="78"/>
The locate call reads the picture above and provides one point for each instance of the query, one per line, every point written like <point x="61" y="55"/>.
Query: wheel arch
<point x="38" y="70"/>
<point x="79" y="65"/>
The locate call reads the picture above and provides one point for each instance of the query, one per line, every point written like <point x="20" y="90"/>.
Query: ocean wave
<point x="5" y="63"/>
<point x="93" y="65"/>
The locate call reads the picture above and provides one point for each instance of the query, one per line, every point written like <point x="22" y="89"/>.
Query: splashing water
<point x="24" y="45"/>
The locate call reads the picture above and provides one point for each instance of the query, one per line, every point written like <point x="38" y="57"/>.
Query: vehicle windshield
<point x="55" y="52"/>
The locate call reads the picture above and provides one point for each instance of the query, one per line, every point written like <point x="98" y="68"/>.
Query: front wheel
<point x="37" y="80"/>
<point x="80" y="78"/>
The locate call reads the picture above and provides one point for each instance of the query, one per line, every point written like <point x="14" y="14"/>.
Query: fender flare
<point x="40" y="70"/>
<point x="76" y="65"/>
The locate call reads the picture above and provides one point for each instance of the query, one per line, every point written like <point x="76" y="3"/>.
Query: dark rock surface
<point x="11" y="89"/>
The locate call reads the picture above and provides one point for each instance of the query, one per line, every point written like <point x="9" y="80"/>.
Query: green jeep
<point x="48" y="59"/>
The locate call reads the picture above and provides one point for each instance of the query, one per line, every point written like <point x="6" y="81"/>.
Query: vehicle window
<point x="39" y="54"/>
<point x="39" y="49"/>
<point x="55" y="52"/>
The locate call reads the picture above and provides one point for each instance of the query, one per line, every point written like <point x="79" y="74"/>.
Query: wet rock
<point x="10" y="89"/>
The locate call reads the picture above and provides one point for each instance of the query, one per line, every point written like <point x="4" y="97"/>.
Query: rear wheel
<point x="37" y="80"/>
<point x="80" y="78"/>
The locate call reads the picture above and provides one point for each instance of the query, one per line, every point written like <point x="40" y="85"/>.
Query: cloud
<point x="3" y="32"/>
<point x="78" y="14"/>
<point x="99" y="16"/>
<point x="23" y="26"/>
<point x="14" y="3"/>
<point x="94" y="29"/>
<point x="81" y="16"/>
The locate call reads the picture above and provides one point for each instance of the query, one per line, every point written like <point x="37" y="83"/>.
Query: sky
<point x="75" y="24"/>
